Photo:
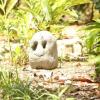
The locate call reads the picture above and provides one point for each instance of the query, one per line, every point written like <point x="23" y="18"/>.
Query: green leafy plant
<point x="93" y="43"/>
<point x="6" y="6"/>
<point x="47" y="13"/>
<point x="17" y="30"/>
<point x="93" y="37"/>
<point x="13" y="88"/>
<point x="19" y="56"/>
<point x="50" y="10"/>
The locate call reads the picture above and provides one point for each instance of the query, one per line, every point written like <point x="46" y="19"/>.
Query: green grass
<point x="14" y="89"/>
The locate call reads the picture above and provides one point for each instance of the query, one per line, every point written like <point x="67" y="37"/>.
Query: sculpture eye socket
<point x="34" y="45"/>
<point x="44" y="43"/>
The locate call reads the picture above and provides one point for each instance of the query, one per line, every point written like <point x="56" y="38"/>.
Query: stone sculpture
<point x="42" y="51"/>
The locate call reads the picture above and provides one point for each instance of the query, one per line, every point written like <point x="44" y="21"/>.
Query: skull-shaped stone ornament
<point x="42" y="51"/>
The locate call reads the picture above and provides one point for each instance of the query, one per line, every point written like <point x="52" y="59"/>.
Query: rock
<point x="69" y="47"/>
<point x="42" y="51"/>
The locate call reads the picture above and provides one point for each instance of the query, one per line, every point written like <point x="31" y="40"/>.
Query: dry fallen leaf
<point x="78" y="64"/>
<point x="83" y="78"/>
<point x="62" y="82"/>
<point x="56" y="78"/>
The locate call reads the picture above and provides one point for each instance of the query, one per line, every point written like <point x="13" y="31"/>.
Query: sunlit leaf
<point x="9" y="5"/>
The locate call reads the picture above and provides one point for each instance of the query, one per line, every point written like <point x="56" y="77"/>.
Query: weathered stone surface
<point x="43" y="51"/>
<point x="70" y="47"/>
<point x="52" y="79"/>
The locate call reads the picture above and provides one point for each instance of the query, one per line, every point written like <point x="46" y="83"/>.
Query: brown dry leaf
<point x="78" y="64"/>
<point x="83" y="78"/>
<point x="62" y="82"/>
<point x="41" y="76"/>
<point x="56" y="78"/>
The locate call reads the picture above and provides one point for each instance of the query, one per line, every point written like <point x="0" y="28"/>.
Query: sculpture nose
<point x="39" y="51"/>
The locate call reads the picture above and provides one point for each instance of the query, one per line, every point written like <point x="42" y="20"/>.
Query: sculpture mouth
<point x="39" y="55"/>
